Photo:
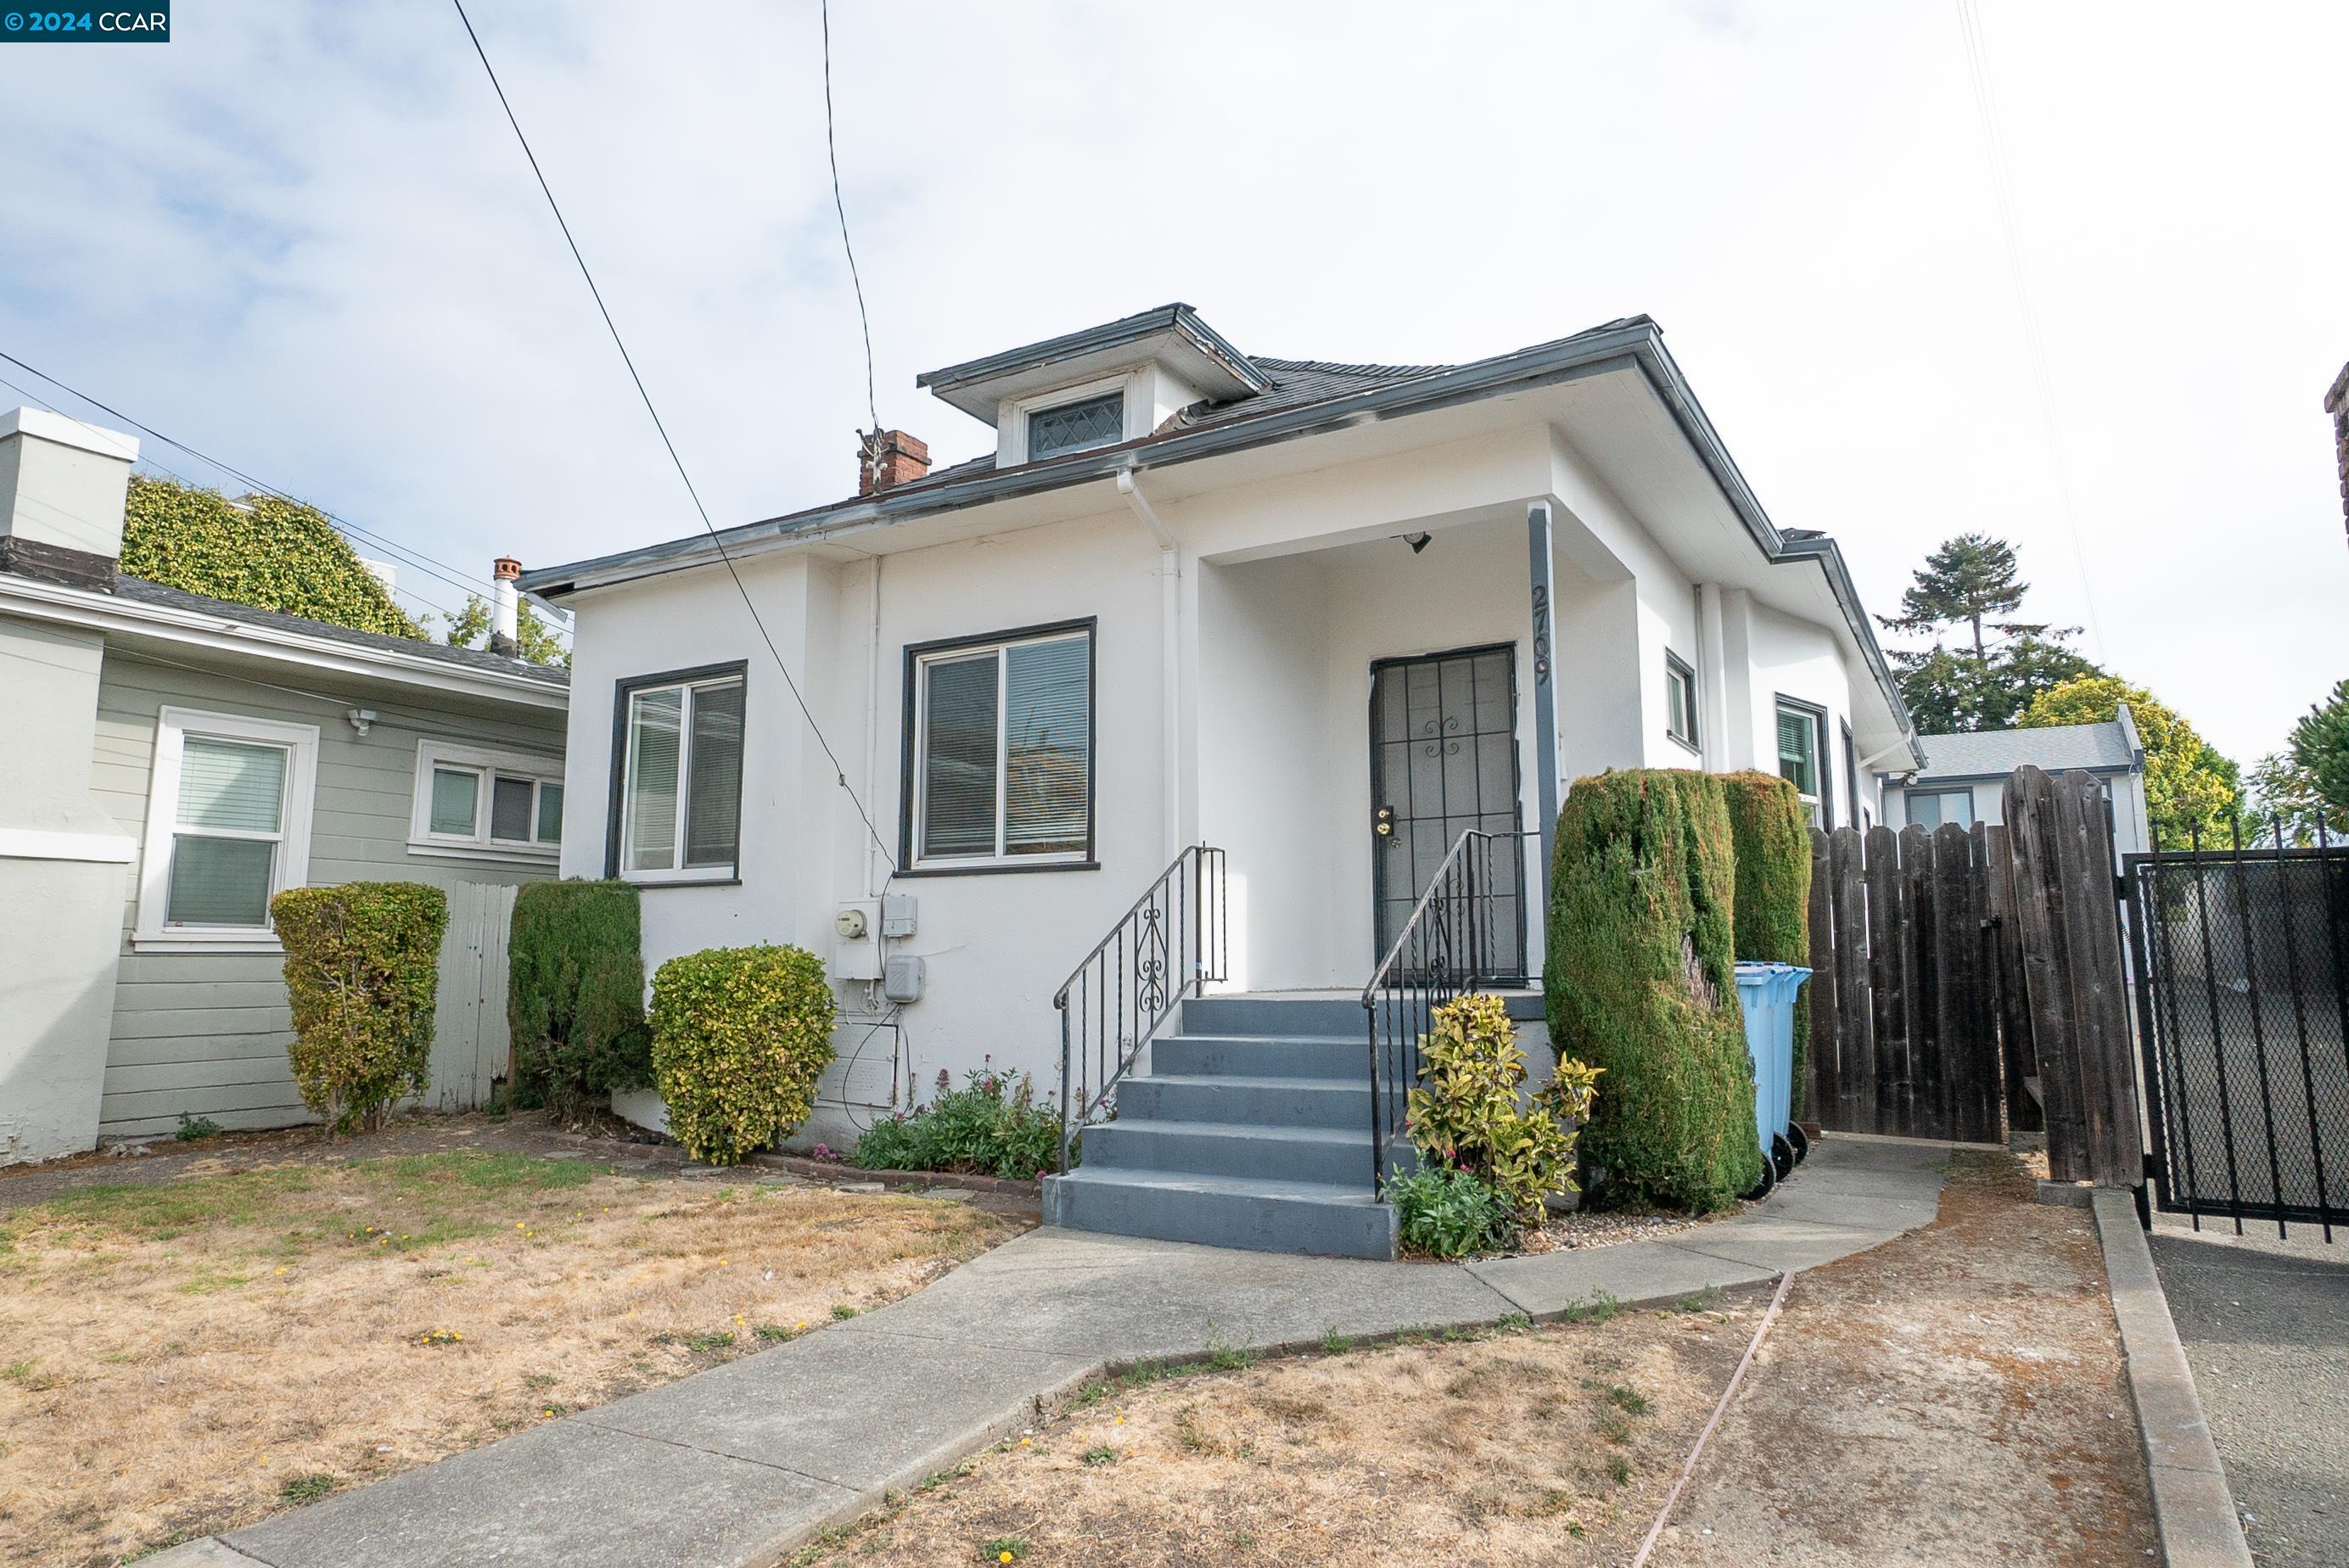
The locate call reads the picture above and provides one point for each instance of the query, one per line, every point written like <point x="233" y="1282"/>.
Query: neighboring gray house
<point x="1964" y="774"/>
<point x="169" y="761"/>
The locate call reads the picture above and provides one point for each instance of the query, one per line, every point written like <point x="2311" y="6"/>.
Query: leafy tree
<point x="270" y="554"/>
<point x="2284" y="796"/>
<point x="2187" y="783"/>
<point x="470" y="628"/>
<point x="1972" y="583"/>
<point x="2320" y="747"/>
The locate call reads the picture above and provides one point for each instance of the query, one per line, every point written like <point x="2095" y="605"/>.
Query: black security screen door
<point x="1444" y="759"/>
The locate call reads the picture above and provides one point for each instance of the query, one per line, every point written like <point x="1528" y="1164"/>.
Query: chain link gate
<point x="2240" y="960"/>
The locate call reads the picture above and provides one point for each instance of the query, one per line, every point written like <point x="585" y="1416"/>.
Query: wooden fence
<point x="1963" y="980"/>
<point x="1904" y="1008"/>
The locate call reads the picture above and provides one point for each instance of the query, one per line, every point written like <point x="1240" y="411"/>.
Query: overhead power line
<point x="148" y="457"/>
<point x="1986" y="107"/>
<point x="831" y="156"/>
<point x="839" y="771"/>
<point x="425" y="563"/>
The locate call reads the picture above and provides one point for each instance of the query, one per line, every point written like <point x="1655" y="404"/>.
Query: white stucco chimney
<point x="62" y="486"/>
<point x="505" y="608"/>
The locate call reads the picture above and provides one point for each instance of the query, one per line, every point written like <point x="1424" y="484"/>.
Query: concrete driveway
<point x="2265" y="1323"/>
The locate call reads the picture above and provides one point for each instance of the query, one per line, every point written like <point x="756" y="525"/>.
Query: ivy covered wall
<point x="270" y="554"/>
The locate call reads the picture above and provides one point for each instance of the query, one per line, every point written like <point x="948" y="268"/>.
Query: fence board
<point x="1819" y="1063"/>
<point x="1854" y="1090"/>
<point x="1888" y="970"/>
<point x="2020" y="1060"/>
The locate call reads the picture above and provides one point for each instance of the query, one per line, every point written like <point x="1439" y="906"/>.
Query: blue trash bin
<point x="1767" y="993"/>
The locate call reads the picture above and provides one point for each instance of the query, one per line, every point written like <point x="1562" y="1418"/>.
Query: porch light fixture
<point x="1418" y="542"/>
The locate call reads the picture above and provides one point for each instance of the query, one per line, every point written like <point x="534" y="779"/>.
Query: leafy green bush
<point x="576" y="996"/>
<point x="264" y="551"/>
<point x="1772" y="836"/>
<point x="1451" y="1213"/>
<point x="362" y="965"/>
<point x="739" y="1035"/>
<point x="1463" y="1111"/>
<point x="992" y="1126"/>
<point x="1640" y="984"/>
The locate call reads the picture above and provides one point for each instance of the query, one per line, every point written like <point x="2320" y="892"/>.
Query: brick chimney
<point x="505" y="609"/>
<point x="889" y="458"/>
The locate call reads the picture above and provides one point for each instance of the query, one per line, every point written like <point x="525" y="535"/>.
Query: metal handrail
<point x="1126" y="988"/>
<point x="1456" y="918"/>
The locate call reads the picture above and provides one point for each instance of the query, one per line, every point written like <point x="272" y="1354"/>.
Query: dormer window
<point x="1097" y="421"/>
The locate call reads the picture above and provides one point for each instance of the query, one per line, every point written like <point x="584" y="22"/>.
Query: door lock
<point x="1383" y="821"/>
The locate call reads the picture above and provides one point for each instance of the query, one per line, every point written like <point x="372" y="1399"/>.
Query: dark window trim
<point x="621" y="691"/>
<point x="1694" y="738"/>
<point x="1819" y="716"/>
<point x="914" y="654"/>
<point x="1850" y="770"/>
<point x="1029" y="415"/>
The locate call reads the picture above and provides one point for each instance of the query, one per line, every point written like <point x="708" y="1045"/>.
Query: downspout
<point x="1713" y="680"/>
<point x="1170" y="651"/>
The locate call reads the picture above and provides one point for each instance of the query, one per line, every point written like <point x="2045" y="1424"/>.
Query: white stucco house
<point x="1192" y="595"/>
<point x="170" y="761"/>
<point x="1964" y="776"/>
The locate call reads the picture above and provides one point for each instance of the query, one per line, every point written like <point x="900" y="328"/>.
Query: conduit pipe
<point x="1170" y="655"/>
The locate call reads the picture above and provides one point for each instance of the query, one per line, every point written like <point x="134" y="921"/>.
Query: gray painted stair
<point x="1252" y="1129"/>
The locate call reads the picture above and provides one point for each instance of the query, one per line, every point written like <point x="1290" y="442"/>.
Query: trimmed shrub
<point x="1463" y="1112"/>
<point x="1772" y="834"/>
<point x="362" y="967"/>
<point x="1451" y="1213"/>
<point x="992" y="1126"/>
<point x="739" y="1035"/>
<point x="575" y="994"/>
<point x="1640" y="984"/>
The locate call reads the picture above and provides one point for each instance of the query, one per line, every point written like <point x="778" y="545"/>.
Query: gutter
<point x="1169" y="654"/>
<point x="79" y="607"/>
<point x="1634" y="342"/>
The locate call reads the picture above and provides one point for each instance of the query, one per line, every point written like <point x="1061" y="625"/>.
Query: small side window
<point x="1679" y="700"/>
<point x="473" y="803"/>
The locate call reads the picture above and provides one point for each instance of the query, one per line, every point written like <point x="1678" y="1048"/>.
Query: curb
<point x="2193" y="1511"/>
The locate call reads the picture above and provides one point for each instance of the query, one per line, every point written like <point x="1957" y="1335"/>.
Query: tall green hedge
<point x="1773" y="837"/>
<point x="1640" y="984"/>
<point x="362" y="967"/>
<point x="270" y="554"/>
<point x="575" y="998"/>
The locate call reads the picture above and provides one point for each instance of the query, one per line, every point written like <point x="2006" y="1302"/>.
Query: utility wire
<point x="25" y="392"/>
<point x="831" y="155"/>
<point x="415" y="558"/>
<point x="839" y="771"/>
<point x="1986" y="107"/>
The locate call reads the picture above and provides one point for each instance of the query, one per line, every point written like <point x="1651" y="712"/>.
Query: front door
<point x="1444" y="759"/>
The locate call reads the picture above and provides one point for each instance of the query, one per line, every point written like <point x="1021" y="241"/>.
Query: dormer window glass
<point x="1073" y="426"/>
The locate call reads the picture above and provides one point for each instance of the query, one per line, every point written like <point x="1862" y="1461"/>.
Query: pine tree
<point x="1974" y="582"/>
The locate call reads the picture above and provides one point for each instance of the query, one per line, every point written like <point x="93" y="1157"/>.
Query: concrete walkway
<point x="739" y="1464"/>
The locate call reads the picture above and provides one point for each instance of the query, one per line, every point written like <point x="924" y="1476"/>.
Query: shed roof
<point x="1987" y="753"/>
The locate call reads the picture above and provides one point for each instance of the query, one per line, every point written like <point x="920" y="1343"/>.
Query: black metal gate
<point x="2241" y="966"/>
<point x="1443" y="762"/>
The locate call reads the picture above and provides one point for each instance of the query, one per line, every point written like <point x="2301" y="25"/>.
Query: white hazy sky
<point x="301" y="238"/>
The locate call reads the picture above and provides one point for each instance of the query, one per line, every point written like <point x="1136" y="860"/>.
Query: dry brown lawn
<point x="1550" y="1445"/>
<point x="178" y="1359"/>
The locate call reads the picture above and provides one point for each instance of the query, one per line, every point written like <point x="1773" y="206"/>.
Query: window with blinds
<point x="1002" y="751"/>
<point x="1799" y="749"/>
<point x="229" y="822"/>
<point x="681" y="795"/>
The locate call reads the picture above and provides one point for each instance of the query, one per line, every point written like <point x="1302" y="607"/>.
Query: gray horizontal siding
<point x="205" y="1034"/>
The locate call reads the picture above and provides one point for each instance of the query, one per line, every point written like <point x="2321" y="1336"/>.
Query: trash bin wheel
<point x="1769" y="1179"/>
<point x="1781" y="1155"/>
<point x="1795" y="1136"/>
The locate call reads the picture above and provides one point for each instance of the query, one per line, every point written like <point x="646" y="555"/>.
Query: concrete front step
<point x="1272" y="1100"/>
<point x="1328" y="1155"/>
<point x="1339" y="1017"/>
<point x="1259" y="1215"/>
<point x="1260" y="1056"/>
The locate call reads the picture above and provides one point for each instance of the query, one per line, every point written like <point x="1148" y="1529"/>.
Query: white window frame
<point x="1129" y="385"/>
<point x="150" y="933"/>
<point x="734" y="675"/>
<point x="484" y="764"/>
<point x="918" y="859"/>
<point x="1679" y="671"/>
<point x="1819" y="803"/>
<point x="1936" y="792"/>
